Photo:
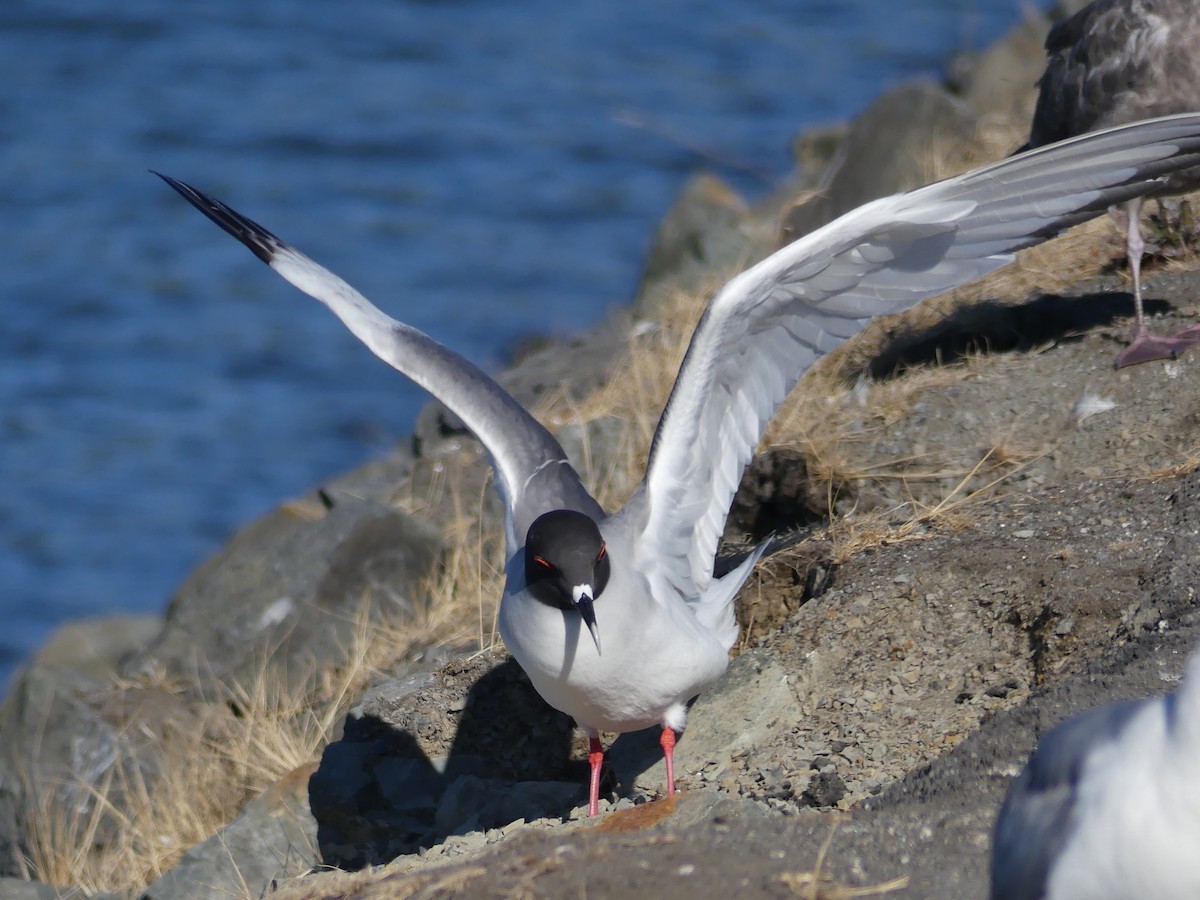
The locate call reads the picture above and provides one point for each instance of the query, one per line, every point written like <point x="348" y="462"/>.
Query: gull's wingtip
<point x="261" y="242"/>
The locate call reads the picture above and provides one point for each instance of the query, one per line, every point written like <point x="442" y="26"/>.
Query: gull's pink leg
<point x="595" y="760"/>
<point x="1134" y="248"/>
<point x="667" y="741"/>
<point x="1144" y="346"/>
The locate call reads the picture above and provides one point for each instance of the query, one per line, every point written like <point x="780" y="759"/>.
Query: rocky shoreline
<point x="998" y="561"/>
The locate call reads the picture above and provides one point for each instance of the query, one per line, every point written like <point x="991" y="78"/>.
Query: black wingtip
<point x="261" y="242"/>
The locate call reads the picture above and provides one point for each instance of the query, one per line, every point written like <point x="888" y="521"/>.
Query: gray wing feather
<point x="1035" y="821"/>
<point x="766" y="327"/>
<point x="530" y="464"/>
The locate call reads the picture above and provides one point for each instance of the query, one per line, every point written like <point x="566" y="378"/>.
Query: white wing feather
<point x="767" y="326"/>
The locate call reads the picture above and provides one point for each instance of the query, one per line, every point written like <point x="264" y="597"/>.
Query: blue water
<point x="483" y="170"/>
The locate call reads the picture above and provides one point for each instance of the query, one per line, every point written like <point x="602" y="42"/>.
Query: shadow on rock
<point x="395" y="783"/>
<point x="997" y="327"/>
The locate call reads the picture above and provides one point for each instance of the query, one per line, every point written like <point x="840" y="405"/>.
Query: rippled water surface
<point x="483" y="170"/>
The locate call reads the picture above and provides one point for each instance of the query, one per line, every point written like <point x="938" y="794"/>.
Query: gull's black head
<point x="566" y="563"/>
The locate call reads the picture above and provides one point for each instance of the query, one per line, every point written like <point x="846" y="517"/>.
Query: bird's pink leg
<point x="595" y="760"/>
<point x="667" y="742"/>
<point x="1134" y="248"/>
<point x="1144" y="346"/>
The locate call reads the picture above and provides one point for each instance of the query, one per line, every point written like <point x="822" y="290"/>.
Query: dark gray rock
<point x="1001" y="79"/>
<point x="701" y="235"/>
<point x="67" y="732"/>
<point x="884" y="151"/>
<point x="96" y="647"/>
<point x="274" y="837"/>
<point x="777" y="495"/>
<point x="54" y="722"/>
<point x="376" y="479"/>
<point x="471" y="803"/>
<point x="377" y="791"/>
<point x="18" y="889"/>
<point x="283" y="596"/>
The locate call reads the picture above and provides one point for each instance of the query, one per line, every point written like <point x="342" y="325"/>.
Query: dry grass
<point x="132" y="826"/>
<point x="1186" y="466"/>
<point x="464" y="593"/>
<point x="126" y="830"/>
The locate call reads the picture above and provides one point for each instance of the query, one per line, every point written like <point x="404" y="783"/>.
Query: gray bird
<point x="1118" y="61"/>
<point x="1108" y="807"/>
<point x="617" y="618"/>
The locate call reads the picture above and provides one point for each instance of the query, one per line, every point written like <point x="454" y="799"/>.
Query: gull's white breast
<point x="655" y="654"/>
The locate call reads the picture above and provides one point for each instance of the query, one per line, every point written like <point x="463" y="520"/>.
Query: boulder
<point x="274" y="837"/>
<point x="884" y="151"/>
<point x="67" y="730"/>
<point x="282" y="598"/>
<point x="388" y="787"/>
<point x="703" y="234"/>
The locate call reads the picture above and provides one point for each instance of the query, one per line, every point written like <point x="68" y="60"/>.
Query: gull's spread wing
<point x="768" y="325"/>
<point x="530" y="464"/>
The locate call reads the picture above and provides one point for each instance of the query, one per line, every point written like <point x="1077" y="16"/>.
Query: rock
<point x="57" y="737"/>
<point x="741" y="710"/>
<point x="1001" y="80"/>
<point x="703" y="233"/>
<point x="378" y="790"/>
<point x="561" y="860"/>
<point x="284" y="594"/>
<point x="815" y="151"/>
<point x="95" y="647"/>
<point x="777" y="495"/>
<point x="19" y="889"/>
<point x="471" y="803"/>
<point x="884" y="151"/>
<point x="824" y="789"/>
<point x="375" y="792"/>
<point x="376" y="479"/>
<point x="68" y="735"/>
<point x="274" y="837"/>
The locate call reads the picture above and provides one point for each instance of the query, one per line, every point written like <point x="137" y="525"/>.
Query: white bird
<point x="1108" y="807"/>
<point x="617" y="618"/>
<point x="1118" y="61"/>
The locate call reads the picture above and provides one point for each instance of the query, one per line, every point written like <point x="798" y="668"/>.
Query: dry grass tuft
<point x="134" y="824"/>
<point x="127" y="830"/>
<point x="852" y="535"/>
<point x="1186" y="466"/>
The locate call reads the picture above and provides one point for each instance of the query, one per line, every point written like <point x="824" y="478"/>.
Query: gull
<point x="1108" y="806"/>
<point x="617" y="618"/>
<point x="1118" y="61"/>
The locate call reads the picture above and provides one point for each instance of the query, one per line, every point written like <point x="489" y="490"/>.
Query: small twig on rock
<point x="818" y="885"/>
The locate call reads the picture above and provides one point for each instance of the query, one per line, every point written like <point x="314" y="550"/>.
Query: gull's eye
<point x="602" y="553"/>
<point x="545" y="565"/>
